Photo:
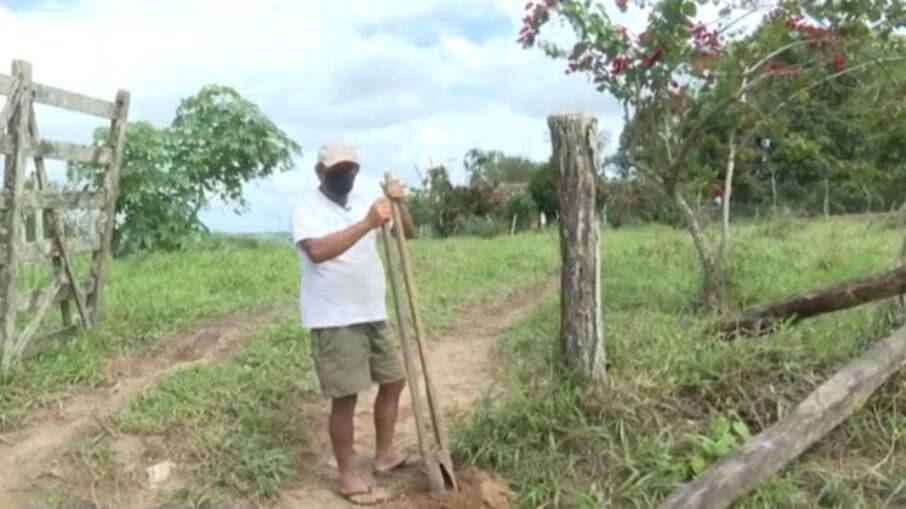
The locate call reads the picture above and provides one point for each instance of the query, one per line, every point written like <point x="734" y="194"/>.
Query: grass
<point x="149" y="297"/>
<point x="676" y="400"/>
<point x="241" y="423"/>
<point x="145" y="299"/>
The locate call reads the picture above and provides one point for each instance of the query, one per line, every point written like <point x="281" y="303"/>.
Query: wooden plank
<point x="111" y="185"/>
<point x="14" y="183"/>
<point x="72" y="152"/>
<point x="61" y="150"/>
<point x="45" y="342"/>
<point x="8" y="107"/>
<point x="32" y="300"/>
<point x="54" y="199"/>
<point x="52" y="96"/>
<point x="42" y="306"/>
<point x="771" y="450"/>
<point x="57" y="232"/>
<point x="42" y="249"/>
<point x="6" y="84"/>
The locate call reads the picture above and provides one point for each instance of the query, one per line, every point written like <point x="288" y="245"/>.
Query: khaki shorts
<point x="348" y="359"/>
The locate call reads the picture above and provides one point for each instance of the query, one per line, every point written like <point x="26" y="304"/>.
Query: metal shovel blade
<point x="439" y="467"/>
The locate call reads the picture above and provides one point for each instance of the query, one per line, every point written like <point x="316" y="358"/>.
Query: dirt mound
<point x="477" y="490"/>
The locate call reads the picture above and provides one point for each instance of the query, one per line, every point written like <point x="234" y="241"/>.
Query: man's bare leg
<point x="386" y="410"/>
<point x="342" y="436"/>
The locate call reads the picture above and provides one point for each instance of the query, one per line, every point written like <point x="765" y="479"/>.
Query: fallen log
<point x="847" y="294"/>
<point x="771" y="450"/>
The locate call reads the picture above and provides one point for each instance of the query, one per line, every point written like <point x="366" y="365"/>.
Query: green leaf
<point x="741" y="429"/>
<point x="698" y="464"/>
<point x="689" y="9"/>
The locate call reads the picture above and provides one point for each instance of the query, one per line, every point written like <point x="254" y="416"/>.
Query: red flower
<point x="649" y="60"/>
<point x="838" y="62"/>
<point x="619" y="64"/>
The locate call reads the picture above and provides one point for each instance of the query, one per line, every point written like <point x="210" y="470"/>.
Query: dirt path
<point x="463" y="365"/>
<point x="33" y="450"/>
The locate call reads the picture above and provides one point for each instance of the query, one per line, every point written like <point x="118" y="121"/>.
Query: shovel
<point x="432" y="433"/>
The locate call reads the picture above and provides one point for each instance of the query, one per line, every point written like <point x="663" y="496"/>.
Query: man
<point x="335" y="228"/>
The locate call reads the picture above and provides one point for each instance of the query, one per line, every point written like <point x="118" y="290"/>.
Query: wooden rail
<point x="59" y="98"/>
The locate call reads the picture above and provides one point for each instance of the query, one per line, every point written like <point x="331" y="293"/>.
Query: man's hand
<point x="379" y="213"/>
<point x="393" y="190"/>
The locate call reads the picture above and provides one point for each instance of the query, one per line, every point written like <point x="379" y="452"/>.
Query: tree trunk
<point x="698" y="205"/>
<point x="712" y="275"/>
<point x="773" y="193"/>
<point x="574" y="142"/>
<point x="728" y="191"/>
<point x="826" y="198"/>
<point x="772" y="449"/>
<point x="816" y="302"/>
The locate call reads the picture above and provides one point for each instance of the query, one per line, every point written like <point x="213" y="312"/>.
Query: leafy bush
<point x="543" y="190"/>
<point x="523" y="208"/>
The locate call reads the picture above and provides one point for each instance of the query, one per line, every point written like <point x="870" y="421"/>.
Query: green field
<point x="234" y="416"/>
<point x="675" y="399"/>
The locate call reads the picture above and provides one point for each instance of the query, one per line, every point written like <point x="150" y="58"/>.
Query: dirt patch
<point x="477" y="490"/>
<point x="33" y="451"/>
<point x="463" y="368"/>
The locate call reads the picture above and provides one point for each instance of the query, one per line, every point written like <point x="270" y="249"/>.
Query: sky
<point x="409" y="82"/>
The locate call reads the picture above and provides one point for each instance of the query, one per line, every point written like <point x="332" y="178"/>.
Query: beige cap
<point x="337" y="152"/>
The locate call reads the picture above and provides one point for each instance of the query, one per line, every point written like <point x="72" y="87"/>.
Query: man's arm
<point x="330" y="246"/>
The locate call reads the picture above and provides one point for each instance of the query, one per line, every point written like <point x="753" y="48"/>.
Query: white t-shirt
<point x="350" y="288"/>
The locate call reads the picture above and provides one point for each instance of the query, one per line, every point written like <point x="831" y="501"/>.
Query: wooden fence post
<point x="574" y="141"/>
<point x="107" y="216"/>
<point x="14" y="184"/>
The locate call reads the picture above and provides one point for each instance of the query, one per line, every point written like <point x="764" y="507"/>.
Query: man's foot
<point x="384" y="466"/>
<point x="366" y="497"/>
<point x="356" y="491"/>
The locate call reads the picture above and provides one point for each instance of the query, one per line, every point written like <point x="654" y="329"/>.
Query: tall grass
<point x="675" y="399"/>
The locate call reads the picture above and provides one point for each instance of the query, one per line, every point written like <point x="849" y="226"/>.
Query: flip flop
<point x="403" y="463"/>
<point x="351" y="497"/>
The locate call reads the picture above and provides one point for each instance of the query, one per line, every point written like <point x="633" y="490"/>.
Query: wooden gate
<point x="24" y="312"/>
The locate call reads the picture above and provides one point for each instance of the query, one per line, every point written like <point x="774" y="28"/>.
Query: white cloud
<point x="408" y="81"/>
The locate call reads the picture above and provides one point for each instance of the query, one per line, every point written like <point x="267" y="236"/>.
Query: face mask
<point x="339" y="183"/>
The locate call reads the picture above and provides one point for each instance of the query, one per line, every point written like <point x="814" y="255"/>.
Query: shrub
<point x="523" y="208"/>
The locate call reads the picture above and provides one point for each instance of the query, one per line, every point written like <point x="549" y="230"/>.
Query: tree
<point x="681" y="76"/>
<point x="493" y="166"/>
<point x="543" y="190"/>
<point x="218" y="141"/>
<point x="222" y="140"/>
